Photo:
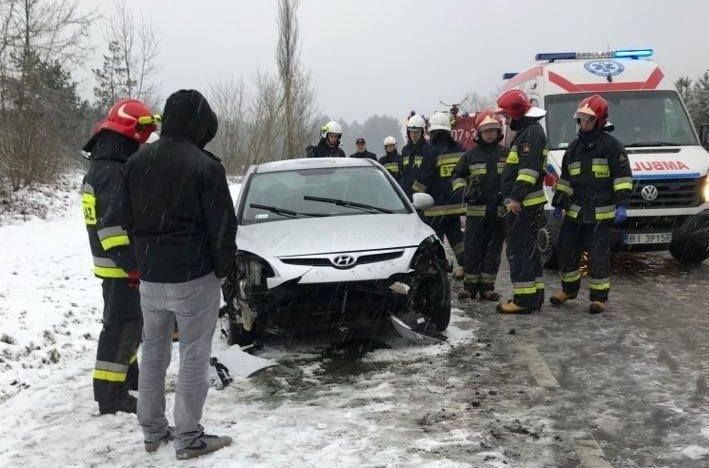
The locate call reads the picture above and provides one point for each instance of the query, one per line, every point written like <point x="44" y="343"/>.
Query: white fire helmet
<point x="390" y="140"/>
<point x="416" y="122"/>
<point x="440" y="121"/>
<point x="331" y="127"/>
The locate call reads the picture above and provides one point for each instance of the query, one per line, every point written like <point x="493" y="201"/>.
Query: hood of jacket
<point x="188" y="115"/>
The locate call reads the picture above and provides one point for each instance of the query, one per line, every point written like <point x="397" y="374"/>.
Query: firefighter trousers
<point x="484" y="237"/>
<point x="594" y="238"/>
<point x="450" y="228"/>
<point x="525" y="261"/>
<point x="116" y="369"/>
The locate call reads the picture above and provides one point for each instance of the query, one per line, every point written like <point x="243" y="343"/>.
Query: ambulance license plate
<point x="648" y="238"/>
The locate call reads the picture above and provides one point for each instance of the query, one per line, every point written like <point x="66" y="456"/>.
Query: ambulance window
<point x="641" y="118"/>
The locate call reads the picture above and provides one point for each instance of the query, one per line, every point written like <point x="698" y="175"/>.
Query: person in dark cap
<point x="362" y="150"/>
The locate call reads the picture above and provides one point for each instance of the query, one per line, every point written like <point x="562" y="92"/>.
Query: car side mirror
<point x="422" y="201"/>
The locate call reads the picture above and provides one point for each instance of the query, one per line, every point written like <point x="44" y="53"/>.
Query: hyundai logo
<point x="649" y="192"/>
<point x="344" y="261"/>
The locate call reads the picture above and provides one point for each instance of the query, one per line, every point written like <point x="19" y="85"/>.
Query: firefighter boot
<point x="491" y="296"/>
<point x="560" y="298"/>
<point x="597" y="307"/>
<point x="511" y="308"/>
<point x="124" y="404"/>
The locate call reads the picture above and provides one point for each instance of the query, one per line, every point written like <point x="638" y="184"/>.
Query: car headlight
<point x="706" y="190"/>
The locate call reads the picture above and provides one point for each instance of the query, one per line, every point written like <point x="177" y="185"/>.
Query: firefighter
<point x="391" y="160"/>
<point x="594" y="189"/>
<point x="435" y="179"/>
<point x="129" y="123"/>
<point x="329" y="145"/>
<point x="478" y="174"/>
<point x="524" y="198"/>
<point x="413" y="153"/>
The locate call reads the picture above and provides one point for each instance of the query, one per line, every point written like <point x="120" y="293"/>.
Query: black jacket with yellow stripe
<point x="412" y="156"/>
<point x="437" y="174"/>
<point x="110" y="244"/>
<point x="523" y="175"/>
<point x="595" y="178"/>
<point x="478" y="175"/>
<point x="393" y="163"/>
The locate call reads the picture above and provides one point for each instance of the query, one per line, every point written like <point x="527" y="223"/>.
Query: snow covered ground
<point x="552" y="390"/>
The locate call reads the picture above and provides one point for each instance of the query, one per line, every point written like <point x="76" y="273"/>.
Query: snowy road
<point x="624" y="389"/>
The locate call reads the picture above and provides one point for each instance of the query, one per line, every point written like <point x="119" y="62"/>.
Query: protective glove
<point x="558" y="212"/>
<point x="621" y="214"/>
<point x="133" y="279"/>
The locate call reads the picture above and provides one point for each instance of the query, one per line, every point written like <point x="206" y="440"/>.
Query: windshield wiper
<point x="650" y="143"/>
<point x="348" y="204"/>
<point x="284" y="212"/>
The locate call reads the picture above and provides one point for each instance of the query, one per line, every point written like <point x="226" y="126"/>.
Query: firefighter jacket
<point x="595" y="178"/>
<point x="323" y="150"/>
<point x="478" y="175"/>
<point x="182" y="217"/>
<point x="436" y="176"/>
<point x="393" y="163"/>
<point x="101" y="189"/>
<point x="412" y="159"/>
<point x="523" y="174"/>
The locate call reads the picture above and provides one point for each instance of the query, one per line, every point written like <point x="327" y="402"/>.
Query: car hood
<point x="311" y="236"/>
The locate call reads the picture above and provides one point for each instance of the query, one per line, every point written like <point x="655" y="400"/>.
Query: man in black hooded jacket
<point x="184" y="229"/>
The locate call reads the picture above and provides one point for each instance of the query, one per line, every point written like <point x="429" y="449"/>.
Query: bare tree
<point x="228" y="101"/>
<point x="298" y="101"/>
<point x="138" y="48"/>
<point x="265" y="112"/>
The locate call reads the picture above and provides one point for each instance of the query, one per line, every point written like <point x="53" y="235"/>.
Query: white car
<point x="333" y="243"/>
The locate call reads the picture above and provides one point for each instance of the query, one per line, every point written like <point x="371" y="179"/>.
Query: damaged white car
<point x="333" y="244"/>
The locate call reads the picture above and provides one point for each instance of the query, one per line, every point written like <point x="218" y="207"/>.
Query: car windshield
<point x="641" y="118"/>
<point x="344" y="191"/>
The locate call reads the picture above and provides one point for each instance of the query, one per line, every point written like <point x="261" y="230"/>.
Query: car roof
<point x="311" y="163"/>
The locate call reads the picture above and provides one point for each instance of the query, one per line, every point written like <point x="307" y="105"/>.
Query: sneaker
<point x="169" y="436"/>
<point x="124" y="404"/>
<point x="203" y="445"/>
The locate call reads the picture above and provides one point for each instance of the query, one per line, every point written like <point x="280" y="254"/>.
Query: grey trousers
<point x="195" y="305"/>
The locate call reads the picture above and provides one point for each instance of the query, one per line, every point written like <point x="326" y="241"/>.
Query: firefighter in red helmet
<point x="478" y="175"/>
<point x="524" y="198"/>
<point x="129" y="124"/>
<point x="594" y="189"/>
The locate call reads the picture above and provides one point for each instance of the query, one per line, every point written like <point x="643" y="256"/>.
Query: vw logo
<point x="604" y="67"/>
<point x="344" y="261"/>
<point x="649" y="192"/>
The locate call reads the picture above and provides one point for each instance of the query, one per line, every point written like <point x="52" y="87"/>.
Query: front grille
<point x="325" y="262"/>
<point x="672" y="193"/>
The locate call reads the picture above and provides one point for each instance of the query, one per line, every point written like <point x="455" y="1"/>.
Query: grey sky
<point x="391" y="56"/>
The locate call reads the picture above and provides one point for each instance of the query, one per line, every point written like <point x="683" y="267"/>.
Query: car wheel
<point x="690" y="245"/>
<point x="431" y="294"/>
<point x="547" y="238"/>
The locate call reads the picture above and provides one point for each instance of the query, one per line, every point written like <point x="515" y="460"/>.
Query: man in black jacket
<point x="524" y="198"/>
<point x="478" y="175"/>
<point x="184" y="229"/>
<point x="329" y="144"/>
<point x="362" y="152"/>
<point x="114" y="141"/>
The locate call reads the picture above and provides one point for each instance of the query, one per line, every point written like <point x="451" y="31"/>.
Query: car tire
<point x="690" y="245"/>
<point x="439" y="297"/>
<point x="547" y="239"/>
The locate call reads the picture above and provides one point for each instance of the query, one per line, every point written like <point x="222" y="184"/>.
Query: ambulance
<point x="669" y="207"/>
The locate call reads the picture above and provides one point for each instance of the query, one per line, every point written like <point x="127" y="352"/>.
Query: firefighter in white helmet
<point x="435" y="179"/>
<point x="329" y="145"/>
<point x="391" y="160"/>
<point x="413" y="153"/>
